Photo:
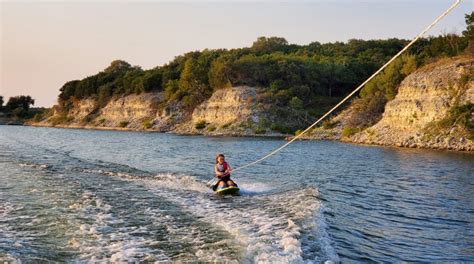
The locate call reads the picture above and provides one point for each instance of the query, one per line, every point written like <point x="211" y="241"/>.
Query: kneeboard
<point x="228" y="190"/>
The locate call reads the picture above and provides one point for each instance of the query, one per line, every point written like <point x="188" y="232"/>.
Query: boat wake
<point x="268" y="226"/>
<point x="118" y="213"/>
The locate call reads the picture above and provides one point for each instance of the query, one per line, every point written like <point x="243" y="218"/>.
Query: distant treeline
<point x="293" y="75"/>
<point x="19" y="107"/>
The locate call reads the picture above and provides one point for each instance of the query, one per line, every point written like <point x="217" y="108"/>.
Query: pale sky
<point x="45" y="44"/>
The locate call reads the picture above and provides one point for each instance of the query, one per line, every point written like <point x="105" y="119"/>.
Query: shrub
<point x="226" y="125"/>
<point x="280" y="128"/>
<point x="259" y="130"/>
<point x="123" y="124"/>
<point x="263" y="122"/>
<point x="87" y="119"/>
<point x="349" y="131"/>
<point x="19" y="113"/>
<point x="459" y="115"/>
<point x="38" y="117"/>
<point x="465" y="78"/>
<point x="147" y="124"/>
<point x="61" y="119"/>
<point x="201" y="124"/>
<point x="328" y="124"/>
<point x="246" y="124"/>
<point x="296" y="103"/>
<point x="299" y="131"/>
<point x="211" y="128"/>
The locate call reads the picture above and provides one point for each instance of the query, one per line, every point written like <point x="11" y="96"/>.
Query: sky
<point x="46" y="44"/>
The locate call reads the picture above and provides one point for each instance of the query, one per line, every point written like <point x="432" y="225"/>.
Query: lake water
<point x="83" y="195"/>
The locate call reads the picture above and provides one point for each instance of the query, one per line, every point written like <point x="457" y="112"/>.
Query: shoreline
<point x="284" y="137"/>
<point x="123" y="129"/>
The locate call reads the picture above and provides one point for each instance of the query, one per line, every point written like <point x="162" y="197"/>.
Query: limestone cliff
<point x="425" y="98"/>
<point x="132" y="112"/>
<point x="232" y="110"/>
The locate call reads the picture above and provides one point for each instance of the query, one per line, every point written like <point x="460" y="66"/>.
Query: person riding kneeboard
<point x="222" y="171"/>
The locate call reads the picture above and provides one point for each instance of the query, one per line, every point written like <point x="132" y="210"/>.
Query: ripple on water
<point x="268" y="227"/>
<point x="380" y="204"/>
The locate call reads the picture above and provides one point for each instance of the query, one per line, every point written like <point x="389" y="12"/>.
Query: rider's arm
<point x="218" y="174"/>
<point x="229" y="169"/>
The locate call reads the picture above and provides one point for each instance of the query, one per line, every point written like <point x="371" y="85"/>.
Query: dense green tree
<point x="104" y="93"/>
<point x="68" y="90"/>
<point x="296" y="103"/>
<point x="194" y="78"/>
<point x="117" y="66"/>
<point x="151" y="80"/>
<point x="192" y="82"/>
<point x="219" y="72"/>
<point x="171" y="90"/>
<point x="468" y="34"/>
<point x="22" y="102"/>
<point x="387" y="82"/>
<point x="268" y="45"/>
<point x="306" y="72"/>
<point x="369" y="107"/>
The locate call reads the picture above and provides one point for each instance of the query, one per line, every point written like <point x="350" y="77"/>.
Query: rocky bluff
<point x="229" y="111"/>
<point x="433" y="109"/>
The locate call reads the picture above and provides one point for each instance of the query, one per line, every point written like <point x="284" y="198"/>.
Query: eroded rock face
<point x="82" y="108"/>
<point x="226" y="109"/>
<point x="227" y="106"/>
<point x="131" y="109"/>
<point x="424" y="97"/>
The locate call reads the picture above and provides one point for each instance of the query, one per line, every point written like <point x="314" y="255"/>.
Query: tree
<point x="118" y="65"/>
<point x="219" y="73"/>
<point x="171" y="89"/>
<point x="468" y="34"/>
<point x="105" y="92"/>
<point x="194" y="82"/>
<point x="22" y="102"/>
<point x="268" y="45"/>
<point x="152" y="81"/>
<point x="296" y="103"/>
<point x="1" y="102"/>
<point x="68" y="90"/>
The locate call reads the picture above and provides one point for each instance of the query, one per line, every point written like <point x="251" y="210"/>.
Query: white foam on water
<point x="268" y="228"/>
<point x="198" y="245"/>
<point x="100" y="240"/>
<point x="35" y="165"/>
<point x="305" y="221"/>
<point x="179" y="181"/>
<point x="254" y="188"/>
<point x="10" y="236"/>
<point x="321" y="228"/>
<point x="10" y="259"/>
<point x="7" y="207"/>
<point x="109" y="173"/>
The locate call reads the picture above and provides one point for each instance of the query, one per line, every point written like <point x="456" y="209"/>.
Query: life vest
<point x="222" y="167"/>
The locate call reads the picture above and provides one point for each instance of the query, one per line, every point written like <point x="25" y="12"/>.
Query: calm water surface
<point x="85" y="196"/>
